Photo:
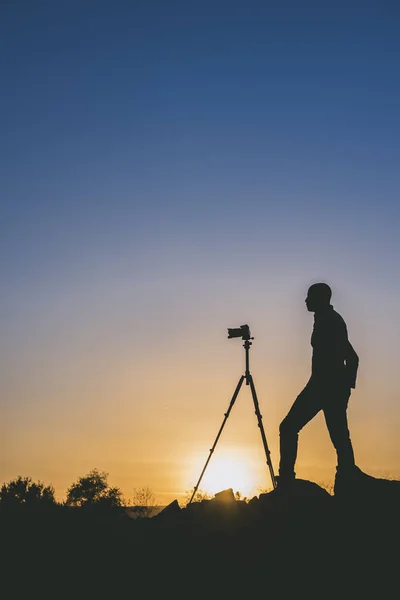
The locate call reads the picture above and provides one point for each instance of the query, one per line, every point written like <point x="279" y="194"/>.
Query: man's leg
<point x="335" y="411"/>
<point x="304" y="408"/>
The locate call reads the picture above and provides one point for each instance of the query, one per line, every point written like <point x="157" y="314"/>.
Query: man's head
<point x="318" y="296"/>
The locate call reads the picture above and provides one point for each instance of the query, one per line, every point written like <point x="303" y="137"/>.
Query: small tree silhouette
<point x="93" y="491"/>
<point x="25" y="492"/>
<point x="143" y="501"/>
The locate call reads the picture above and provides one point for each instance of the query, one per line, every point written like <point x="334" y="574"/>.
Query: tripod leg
<point x="232" y="402"/>
<point x="264" y="439"/>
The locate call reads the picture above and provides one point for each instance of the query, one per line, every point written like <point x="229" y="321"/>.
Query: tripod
<point x="249" y="381"/>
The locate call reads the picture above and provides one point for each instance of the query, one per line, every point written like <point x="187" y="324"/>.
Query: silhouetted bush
<point x="93" y="491"/>
<point x="23" y="492"/>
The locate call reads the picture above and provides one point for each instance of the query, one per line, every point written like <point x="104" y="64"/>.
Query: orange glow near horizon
<point x="227" y="468"/>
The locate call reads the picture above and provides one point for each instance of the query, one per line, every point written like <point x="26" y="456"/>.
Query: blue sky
<point x="123" y="122"/>
<point x="169" y="165"/>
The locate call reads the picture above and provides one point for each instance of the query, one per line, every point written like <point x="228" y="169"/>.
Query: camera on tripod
<point x="243" y="331"/>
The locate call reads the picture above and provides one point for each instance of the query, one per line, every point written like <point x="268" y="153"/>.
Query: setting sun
<point x="227" y="469"/>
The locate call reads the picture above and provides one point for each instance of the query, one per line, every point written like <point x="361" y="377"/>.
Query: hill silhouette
<point x="295" y="540"/>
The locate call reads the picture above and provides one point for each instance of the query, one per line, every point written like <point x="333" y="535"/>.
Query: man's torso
<point x="330" y="342"/>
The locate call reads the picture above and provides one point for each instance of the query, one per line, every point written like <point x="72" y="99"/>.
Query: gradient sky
<point x="172" y="169"/>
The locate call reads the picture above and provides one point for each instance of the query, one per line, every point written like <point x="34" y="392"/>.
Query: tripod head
<point x="244" y="332"/>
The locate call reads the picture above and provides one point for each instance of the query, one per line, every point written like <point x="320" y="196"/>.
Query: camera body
<point x="243" y="331"/>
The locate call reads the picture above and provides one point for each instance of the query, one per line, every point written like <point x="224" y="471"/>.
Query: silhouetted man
<point x="333" y="374"/>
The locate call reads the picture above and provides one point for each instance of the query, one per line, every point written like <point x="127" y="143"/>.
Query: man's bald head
<point x="318" y="296"/>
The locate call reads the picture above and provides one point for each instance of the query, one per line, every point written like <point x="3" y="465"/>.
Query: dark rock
<point x="169" y="512"/>
<point x="300" y="495"/>
<point x="226" y="496"/>
<point x="363" y="489"/>
<point x="253" y="501"/>
<point x="195" y="508"/>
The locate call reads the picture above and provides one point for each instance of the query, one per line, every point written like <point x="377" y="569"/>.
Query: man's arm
<point x="352" y="362"/>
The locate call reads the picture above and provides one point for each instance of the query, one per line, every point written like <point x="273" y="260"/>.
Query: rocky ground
<point x="296" y="540"/>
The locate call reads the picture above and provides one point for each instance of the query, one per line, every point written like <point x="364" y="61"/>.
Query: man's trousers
<point x="316" y="396"/>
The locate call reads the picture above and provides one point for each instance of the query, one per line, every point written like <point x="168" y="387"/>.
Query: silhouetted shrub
<point x="23" y="492"/>
<point x="93" y="491"/>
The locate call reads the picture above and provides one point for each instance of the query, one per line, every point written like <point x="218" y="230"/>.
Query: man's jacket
<point x="334" y="360"/>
